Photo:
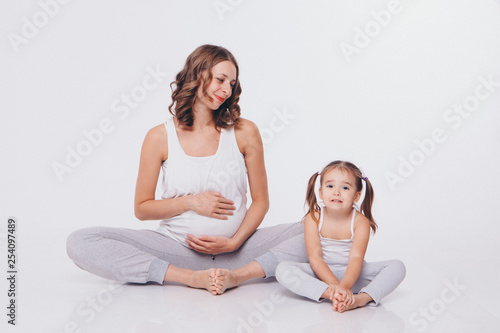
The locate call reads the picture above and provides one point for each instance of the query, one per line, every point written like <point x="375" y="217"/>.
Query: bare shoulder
<point x="158" y="132"/>
<point x="247" y="135"/>
<point x="311" y="231"/>
<point x="362" y="222"/>
<point x="157" y="135"/>
<point x="308" y="219"/>
<point x="156" y="140"/>
<point x="246" y="127"/>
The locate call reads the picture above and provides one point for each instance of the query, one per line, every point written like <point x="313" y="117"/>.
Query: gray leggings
<point x="377" y="279"/>
<point x="142" y="256"/>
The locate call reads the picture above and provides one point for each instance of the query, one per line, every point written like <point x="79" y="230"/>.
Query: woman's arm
<point x="154" y="152"/>
<point x="250" y="145"/>
<point x="357" y="252"/>
<point x="315" y="253"/>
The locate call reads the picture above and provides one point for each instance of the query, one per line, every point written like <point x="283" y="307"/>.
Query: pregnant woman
<point x="207" y="237"/>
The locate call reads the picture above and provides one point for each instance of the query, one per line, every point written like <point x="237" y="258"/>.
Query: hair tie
<point x="364" y="178"/>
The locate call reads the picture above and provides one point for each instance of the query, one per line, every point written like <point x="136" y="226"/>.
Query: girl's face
<point x="338" y="190"/>
<point x="220" y="88"/>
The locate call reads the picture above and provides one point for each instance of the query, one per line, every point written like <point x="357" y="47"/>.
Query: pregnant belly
<point x="202" y="225"/>
<point x="191" y="223"/>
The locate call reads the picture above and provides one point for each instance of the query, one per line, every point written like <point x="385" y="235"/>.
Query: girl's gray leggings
<point x="377" y="279"/>
<point x="142" y="256"/>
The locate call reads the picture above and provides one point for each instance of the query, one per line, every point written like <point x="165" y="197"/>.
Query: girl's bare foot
<point x="336" y="304"/>
<point x="224" y="279"/>
<point x="329" y="294"/>
<point x="204" y="279"/>
<point x="360" y="300"/>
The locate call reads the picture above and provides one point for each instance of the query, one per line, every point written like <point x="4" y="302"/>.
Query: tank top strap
<point x="320" y="218"/>
<point x="174" y="146"/>
<point x="352" y="222"/>
<point x="228" y="137"/>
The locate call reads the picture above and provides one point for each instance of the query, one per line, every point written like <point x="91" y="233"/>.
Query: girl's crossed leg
<point x="376" y="280"/>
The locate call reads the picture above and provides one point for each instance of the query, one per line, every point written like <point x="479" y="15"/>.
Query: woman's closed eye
<point x="232" y="84"/>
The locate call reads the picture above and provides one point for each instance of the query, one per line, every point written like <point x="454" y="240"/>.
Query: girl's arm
<point x="250" y="144"/>
<point x="154" y="152"/>
<point x="357" y="252"/>
<point x="315" y="253"/>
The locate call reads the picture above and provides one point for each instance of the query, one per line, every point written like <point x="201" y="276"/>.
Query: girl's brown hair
<point x="196" y="72"/>
<point x="366" y="205"/>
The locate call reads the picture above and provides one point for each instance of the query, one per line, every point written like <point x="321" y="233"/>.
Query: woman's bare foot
<point x="360" y="300"/>
<point x="224" y="279"/>
<point x="204" y="279"/>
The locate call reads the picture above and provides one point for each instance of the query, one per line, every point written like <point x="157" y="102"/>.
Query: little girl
<point x="336" y="235"/>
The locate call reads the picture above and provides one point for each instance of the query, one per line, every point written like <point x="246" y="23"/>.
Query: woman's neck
<point x="203" y="117"/>
<point x="201" y="121"/>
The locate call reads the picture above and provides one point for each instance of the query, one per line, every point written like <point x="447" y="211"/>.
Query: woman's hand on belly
<point x="211" y="244"/>
<point x="212" y="204"/>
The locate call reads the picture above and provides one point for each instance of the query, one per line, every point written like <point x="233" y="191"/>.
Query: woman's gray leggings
<point x="377" y="279"/>
<point x="142" y="256"/>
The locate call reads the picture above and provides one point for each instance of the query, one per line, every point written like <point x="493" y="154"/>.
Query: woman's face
<point x="220" y="88"/>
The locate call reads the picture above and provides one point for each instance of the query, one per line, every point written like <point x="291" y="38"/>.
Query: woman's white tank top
<point x="224" y="172"/>
<point x="336" y="251"/>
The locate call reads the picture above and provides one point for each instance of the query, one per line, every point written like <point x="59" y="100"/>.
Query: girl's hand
<point x="212" y="204"/>
<point x="332" y="288"/>
<point x="211" y="244"/>
<point x="343" y="298"/>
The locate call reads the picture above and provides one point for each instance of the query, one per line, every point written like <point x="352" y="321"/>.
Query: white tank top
<point x="224" y="172"/>
<point x="336" y="251"/>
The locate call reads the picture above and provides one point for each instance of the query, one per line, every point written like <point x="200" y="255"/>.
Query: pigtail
<point x="311" y="200"/>
<point x="366" y="205"/>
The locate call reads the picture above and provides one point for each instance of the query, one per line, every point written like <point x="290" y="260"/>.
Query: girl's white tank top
<point x="336" y="251"/>
<point x="224" y="172"/>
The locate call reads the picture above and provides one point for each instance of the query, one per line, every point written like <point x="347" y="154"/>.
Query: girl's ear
<point x="320" y="194"/>
<point x="357" y="196"/>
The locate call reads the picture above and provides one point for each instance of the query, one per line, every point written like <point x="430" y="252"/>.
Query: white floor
<point x="66" y="299"/>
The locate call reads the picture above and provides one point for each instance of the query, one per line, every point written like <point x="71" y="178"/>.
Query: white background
<point x="370" y="108"/>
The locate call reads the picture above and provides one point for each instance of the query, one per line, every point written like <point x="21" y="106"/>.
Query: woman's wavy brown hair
<point x="198" y="71"/>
